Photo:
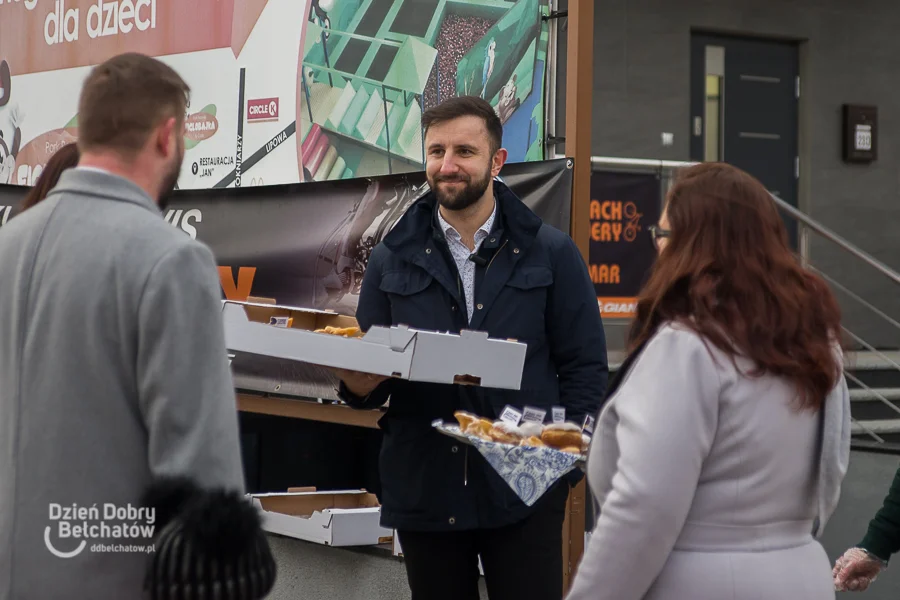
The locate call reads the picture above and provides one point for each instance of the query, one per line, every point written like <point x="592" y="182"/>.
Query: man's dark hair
<point x="467" y="106"/>
<point x="124" y="99"/>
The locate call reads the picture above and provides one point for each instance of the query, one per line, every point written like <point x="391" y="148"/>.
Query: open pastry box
<point x="333" y="518"/>
<point x="289" y="333"/>
<point x="264" y="310"/>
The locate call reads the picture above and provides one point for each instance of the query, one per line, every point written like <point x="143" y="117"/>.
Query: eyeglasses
<point x="656" y="233"/>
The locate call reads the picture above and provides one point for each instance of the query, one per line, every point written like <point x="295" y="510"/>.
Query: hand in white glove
<point x="856" y="570"/>
<point x="16" y="116"/>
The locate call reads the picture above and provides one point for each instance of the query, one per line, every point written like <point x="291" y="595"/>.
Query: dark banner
<point x="308" y="244"/>
<point x="623" y="207"/>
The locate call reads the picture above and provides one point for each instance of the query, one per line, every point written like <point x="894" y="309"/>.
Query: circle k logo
<point x="264" y="109"/>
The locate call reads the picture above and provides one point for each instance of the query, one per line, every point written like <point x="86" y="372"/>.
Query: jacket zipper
<point x="458" y="285"/>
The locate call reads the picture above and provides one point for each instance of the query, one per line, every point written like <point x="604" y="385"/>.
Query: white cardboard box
<point x="396" y="550"/>
<point x="468" y="358"/>
<point x="335" y="518"/>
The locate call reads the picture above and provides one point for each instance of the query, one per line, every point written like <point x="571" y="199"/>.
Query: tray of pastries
<point x="529" y="456"/>
<point x="563" y="437"/>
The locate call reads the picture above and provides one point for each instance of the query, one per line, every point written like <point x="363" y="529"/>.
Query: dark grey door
<point x="744" y="104"/>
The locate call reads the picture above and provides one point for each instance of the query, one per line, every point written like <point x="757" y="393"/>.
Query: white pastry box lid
<point x="289" y="333"/>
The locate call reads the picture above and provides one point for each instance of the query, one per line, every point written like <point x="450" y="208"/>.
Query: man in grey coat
<point x="113" y="367"/>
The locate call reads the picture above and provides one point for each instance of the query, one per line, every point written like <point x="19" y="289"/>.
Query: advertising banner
<point x="308" y="244"/>
<point x="283" y="91"/>
<point x="623" y="207"/>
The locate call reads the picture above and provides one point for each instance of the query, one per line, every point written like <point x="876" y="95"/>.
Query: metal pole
<point x="550" y="82"/>
<point x="421" y="100"/>
<point x="831" y="236"/>
<point x="306" y="93"/>
<point x="640" y="163"/>
<point x="327" y="63"/>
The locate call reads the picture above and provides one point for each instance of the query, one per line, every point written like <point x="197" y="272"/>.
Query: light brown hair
<point x="728" y="273"/>
<point x="64" y="158"/>
<point x="124" y="99"/>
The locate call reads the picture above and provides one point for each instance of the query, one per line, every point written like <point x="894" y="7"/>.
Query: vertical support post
<point x="579" y="101"/>
<point x="573" y="532"/>
<point x="803" y="245"/>
<point x="579" y="97"/>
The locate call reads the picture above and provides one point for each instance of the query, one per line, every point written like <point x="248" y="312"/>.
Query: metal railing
<point x="868" y="434"/>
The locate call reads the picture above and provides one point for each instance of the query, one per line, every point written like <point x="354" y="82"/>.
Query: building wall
<point x="850" y="53"/>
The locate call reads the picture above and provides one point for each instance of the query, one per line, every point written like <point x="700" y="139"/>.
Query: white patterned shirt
<point x="461" y="254"/>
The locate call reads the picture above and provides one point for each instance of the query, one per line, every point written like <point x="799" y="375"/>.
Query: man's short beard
<point x="169" y="183"/>
<point x="471" y="193"/>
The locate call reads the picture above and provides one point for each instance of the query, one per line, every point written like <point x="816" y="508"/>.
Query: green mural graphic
<point x="371" y="67"/>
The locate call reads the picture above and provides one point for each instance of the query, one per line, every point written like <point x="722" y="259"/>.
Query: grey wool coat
<point x="711" y="484"/>
<point x="113" y="371"/>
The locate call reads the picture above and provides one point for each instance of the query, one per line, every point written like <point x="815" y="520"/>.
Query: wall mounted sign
<point x="860" y="133"/>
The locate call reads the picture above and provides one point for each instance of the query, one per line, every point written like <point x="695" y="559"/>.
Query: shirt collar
<point x="94" y="169"/>
<point x="484" y="230"/>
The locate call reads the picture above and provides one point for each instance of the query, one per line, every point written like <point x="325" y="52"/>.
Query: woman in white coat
<point x="720" y="451"/>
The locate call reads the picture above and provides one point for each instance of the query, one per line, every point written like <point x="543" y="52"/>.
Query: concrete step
<point x="864" y="395"/>
<point x="878" y="426"/>
<point x="872" y="361"/>
<point x="866" y="406"/>
<point x="869" y="367"/>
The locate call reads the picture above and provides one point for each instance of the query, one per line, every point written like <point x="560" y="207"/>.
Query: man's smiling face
<point x="459" y="162"/>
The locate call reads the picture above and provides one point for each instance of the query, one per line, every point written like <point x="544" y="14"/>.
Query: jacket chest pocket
<point x="526" y="293"/>
<point x="412" y="298"/>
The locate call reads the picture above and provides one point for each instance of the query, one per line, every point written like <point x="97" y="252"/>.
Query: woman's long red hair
<point x="728" y="273"/>
<point x="64" y="158"/>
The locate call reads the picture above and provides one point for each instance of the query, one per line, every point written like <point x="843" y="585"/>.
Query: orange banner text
<point x="239" y="289"/>
<point x="617" y="308"/>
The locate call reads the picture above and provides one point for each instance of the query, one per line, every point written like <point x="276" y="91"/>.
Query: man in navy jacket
<point x="471" y="255"/>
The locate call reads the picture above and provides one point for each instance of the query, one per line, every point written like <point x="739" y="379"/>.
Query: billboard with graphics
<point x="283" y="91"/>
